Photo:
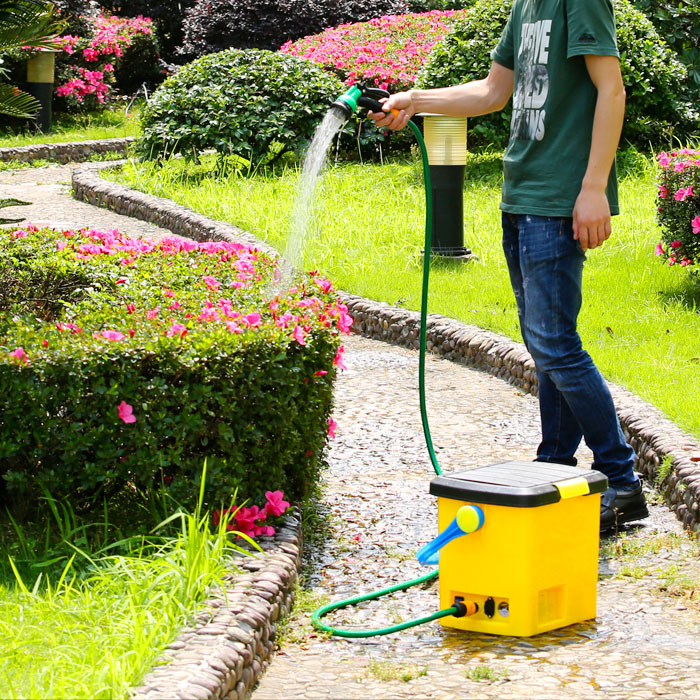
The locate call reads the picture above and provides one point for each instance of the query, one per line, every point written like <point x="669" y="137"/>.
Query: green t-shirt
<point x="554" y="100"/>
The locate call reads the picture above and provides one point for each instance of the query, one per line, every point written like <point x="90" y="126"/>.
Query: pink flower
<point x="696" y="224"/>
<point x="126" y="412"/>
<point x="298" y="335"/>
<point x="686" y="261"/>
<point x="210" y="282"/>
<point x="338" y="360"/>
<point x="276" y="505"/>
<point x="121" y="280"/>
<point x="325" y="285"/>
<point x="683" y="193"/>
<point x="344" y="322"/>
<point x="663" y="192"/>
<point x="152" y="313"/>
<point x="659" y="250"/>
<point x="676" y="244"/>
<point x="320" y="373"/>
<point x="252" y="320"/>
<point x="332" y="425"/>
<point x="19" y="356"/>
<point x="176" y="329"/>
<point x="130" y="308"/>
<point x="109" y="335"/>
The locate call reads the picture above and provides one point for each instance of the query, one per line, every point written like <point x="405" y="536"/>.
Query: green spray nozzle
<point x="468" y="519"/>
<point x="360" y="96"/>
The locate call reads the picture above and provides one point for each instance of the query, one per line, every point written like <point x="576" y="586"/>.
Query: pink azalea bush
<point x="678" y="197"/>
<point x="86" y="64"/>
<point x="249" y="521"/>
<point x="132" y="361"/>
<point x="388" y="51"/>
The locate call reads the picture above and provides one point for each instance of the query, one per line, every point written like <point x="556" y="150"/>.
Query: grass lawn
<point x="113" y="122"/>
<point x="78" y="620"/>
<point x="640" y="319"/>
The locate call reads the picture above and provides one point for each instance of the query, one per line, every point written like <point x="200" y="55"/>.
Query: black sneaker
<point x="618" y="506"/>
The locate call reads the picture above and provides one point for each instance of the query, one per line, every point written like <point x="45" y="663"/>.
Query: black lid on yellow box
<point x="519" y="484"/>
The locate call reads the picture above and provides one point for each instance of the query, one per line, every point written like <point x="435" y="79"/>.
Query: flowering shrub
<point x="248" y="521"/>
<point x="167" y="16"/>
<point x="388" y="51"/>
<point x="125" y="363"/>
<point x="679" y="207"/>
<point x="85" y="71"/>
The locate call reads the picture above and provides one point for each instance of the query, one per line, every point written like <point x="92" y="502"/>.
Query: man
<point x="559" y="61"/>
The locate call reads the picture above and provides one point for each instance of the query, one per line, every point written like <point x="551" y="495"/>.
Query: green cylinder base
<point x="447" y="226"/>
<point x="43" y="92"/>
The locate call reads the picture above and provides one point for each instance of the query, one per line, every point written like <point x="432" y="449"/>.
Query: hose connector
<point x="468" y="519"/>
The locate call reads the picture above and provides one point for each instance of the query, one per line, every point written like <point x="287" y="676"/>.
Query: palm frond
<point x="28" y="23"/>
<point x="17" y="103"/>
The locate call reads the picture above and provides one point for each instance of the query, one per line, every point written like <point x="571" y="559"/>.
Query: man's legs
<point x="545" y="266"/>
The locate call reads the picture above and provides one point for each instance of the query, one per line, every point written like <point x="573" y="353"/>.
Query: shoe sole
<point x="628" y="517"/>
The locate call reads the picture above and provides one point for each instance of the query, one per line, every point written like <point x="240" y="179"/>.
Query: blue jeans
<point x="546" y="265"/>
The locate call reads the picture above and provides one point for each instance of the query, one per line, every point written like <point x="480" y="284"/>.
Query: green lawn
<point x="640" y="319"/>
<point x="79" y="620"/>
<point x="113" y="122"/>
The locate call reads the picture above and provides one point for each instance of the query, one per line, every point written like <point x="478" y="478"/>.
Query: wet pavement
<point x="376" y="511"/>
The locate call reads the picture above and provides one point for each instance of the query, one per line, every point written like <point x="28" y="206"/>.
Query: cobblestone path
<point x="645" y="642"/>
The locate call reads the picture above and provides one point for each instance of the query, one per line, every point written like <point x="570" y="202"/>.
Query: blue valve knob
<point x="468" y="519"/>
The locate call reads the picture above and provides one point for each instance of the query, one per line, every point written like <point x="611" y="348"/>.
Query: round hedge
<point x="652" y="73"/>
<point x="251" y="103"/>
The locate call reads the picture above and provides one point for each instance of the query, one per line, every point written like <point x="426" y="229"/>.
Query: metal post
<point x="40" y="78"/>
<point x="446" y="143"/>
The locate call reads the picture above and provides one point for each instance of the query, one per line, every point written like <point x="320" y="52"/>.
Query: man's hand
<point x="591" y="218"/>
<point x="397" y="111"/>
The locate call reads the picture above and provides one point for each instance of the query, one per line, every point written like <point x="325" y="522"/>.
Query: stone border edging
<point x="67" y="152"/>
<point x="228" y="648"/>
<point x="654" y="437"/>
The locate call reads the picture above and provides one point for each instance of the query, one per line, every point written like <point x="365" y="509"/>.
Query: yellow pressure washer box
<point x="533" y="565"/>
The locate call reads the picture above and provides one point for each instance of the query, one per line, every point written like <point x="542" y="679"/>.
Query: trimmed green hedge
<point x="124" y="364"/>
<point x="254" y="104"/>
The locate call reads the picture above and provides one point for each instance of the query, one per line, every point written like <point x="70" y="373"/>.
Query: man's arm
<point x="469" y="100"/>
<point x="592" y="211"/>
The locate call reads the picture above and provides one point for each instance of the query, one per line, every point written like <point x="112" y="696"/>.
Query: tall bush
<point x="679" y="207"/>
<point x="167" y="16"/>
<point x="653" y="75"/>
<point x="254" y="104"/>
<point x="678" y="22"/>
<point x="147" y="358"/>
<point x="214" y="25"/>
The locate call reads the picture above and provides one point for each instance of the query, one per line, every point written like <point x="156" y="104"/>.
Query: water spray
<point x="518" y="542"/>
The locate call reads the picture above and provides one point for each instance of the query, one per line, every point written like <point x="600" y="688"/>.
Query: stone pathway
<point x="645" y="643"/>
<point x="48" y="190"/>
<point x="376" y="511"/>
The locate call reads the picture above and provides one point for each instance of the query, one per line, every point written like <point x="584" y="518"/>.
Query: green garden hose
<point x="458" y="609"/>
